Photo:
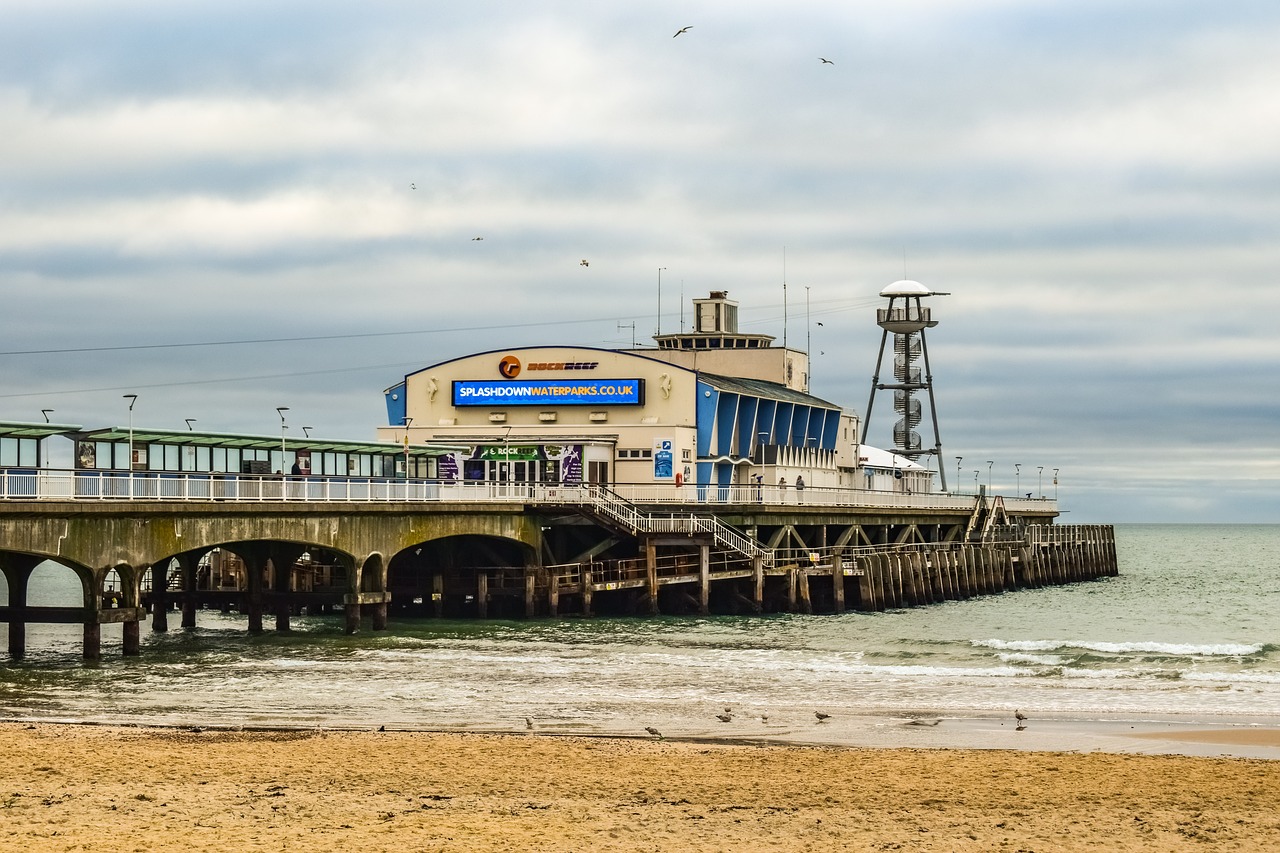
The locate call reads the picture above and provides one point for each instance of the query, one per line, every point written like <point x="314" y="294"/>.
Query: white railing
<point x="84" y="485"/>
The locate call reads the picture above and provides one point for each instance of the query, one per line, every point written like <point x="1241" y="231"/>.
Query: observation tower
<point x="907" y="320"/>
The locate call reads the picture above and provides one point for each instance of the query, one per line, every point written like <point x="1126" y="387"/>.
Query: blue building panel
<point x="708" y="398"/>
<point x="395" y="405"/>
<point x="726" y="420"/>
<point x="747" y="409"/>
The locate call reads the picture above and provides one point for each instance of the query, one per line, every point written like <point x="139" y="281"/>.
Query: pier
<point x="273" y="548"/>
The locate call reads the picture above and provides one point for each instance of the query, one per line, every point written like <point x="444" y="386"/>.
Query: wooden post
<point x="482" y="595"/>
<point x="352" y="613"/>
<point x="553" y="594"/>
<point x="530" y="585"/>
<point x="437" y="594"/>
<point x="757" y="571"/>
<point x="586" y="592"/>
<point x="837" y="582"/>
<point x="791" y="590"/>
<point x="651" y="569"/>
<point x="704" y="579"/>
<point x="380" y="614"/>
<point x="802" y="588"/>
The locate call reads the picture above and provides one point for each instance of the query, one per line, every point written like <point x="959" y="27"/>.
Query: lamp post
<point x="1040" y="481"/>
<point x="190" y="421"/>
<point x="975" y="481"/>
<point x="306" y="432"/>
<point x="958" y="460"/>
<point x="408" y="422"/>
<point x="46" y="413"/>
<point x="989" y="464"/>
<point x="280" y="410"/>
<point x="132" y="398"/>
<point x="1055" y="484"/>
<point x="1017" y="478"/>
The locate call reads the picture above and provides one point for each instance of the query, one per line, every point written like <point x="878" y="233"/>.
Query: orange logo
<point x="509" y="367"/>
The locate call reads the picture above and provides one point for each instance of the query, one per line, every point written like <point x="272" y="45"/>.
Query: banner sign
<point x="550" y="392"/>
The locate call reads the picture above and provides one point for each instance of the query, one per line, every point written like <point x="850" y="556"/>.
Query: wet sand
<point x="71" y="787"/>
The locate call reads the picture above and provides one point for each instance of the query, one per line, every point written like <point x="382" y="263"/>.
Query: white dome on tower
<point x="906" y="287"/>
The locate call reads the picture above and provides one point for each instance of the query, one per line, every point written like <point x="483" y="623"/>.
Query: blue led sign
<point x="551" y="392"/>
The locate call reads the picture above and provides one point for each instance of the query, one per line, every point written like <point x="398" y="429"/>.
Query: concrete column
<point x="93" y="639"/>
<point x="17" y="575"/>
<point x="380" y="615"/>
<point x="132" y="638"/>
<point x="160" y="596"/>
<point x="255" y="562"/>
<point x="188" y="564"/>
<point x="280" y="572"/>
<point x="352" y="613"/>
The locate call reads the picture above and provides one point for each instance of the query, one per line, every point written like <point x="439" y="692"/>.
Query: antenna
<point x="784" y="297"/>
<point x="808" y="342"/>
<point x="632" y="327"/>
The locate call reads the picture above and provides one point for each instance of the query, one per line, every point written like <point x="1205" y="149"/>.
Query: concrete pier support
<point x="92" y="646"/>
<point x="187" y="563"/>
<point x="17" y="569"/>
<point x="704" y="579"/>
<point x="482" y="595"/>
<point x="132" y="637"/>
<point x="160" y="597"/>
<point x="651" y="574"/>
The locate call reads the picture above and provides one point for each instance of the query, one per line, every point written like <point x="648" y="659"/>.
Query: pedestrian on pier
<point x="799" y="489"/>
<point x="782" y="489"/>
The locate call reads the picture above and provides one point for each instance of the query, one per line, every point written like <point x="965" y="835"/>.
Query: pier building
<point x="526" y="482"/>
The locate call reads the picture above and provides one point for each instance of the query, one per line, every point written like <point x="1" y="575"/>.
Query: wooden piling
<point x="704" y="579"/>
<point x="586" y="592"/>
<point x="837" y="582"/>
<point x="482" y="595"/>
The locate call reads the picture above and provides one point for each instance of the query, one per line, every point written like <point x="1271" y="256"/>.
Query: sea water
<point x="1190" y="630"/>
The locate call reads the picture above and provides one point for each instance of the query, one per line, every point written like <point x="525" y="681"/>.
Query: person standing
<point x="800" y="489"/>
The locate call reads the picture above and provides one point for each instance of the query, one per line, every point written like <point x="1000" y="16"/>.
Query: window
<point x="645" y="453"/>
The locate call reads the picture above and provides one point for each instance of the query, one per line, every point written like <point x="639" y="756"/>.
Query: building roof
<point x="767" y="390"/>
<point x="261" y="442"/>
<point x="19" y="429"/>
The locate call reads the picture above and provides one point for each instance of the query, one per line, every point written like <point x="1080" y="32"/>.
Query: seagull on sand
<point x="683" y="30"/>
<point x="1019" y="716"/>
<point x="651" y="730"/>
<point x="827" y="61"/>
<point x="725" y="718"/>
<point x="821" y="716"/>
<point x="528" y="722"/>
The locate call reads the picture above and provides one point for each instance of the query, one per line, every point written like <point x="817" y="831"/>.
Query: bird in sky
<point x="827" y="61"/>
<point x="476" y="238"/>
<point x="651" y="730"/>
<point x="819" y="322"/>
<point x="683" y="30"/>
<point x="413" y="186"/>
<point x="584" y="263"/>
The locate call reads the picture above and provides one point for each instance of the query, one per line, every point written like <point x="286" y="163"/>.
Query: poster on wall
<point x="664" y="459"/>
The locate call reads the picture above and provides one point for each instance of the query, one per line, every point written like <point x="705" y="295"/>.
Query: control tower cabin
<point x="906" y="319"/>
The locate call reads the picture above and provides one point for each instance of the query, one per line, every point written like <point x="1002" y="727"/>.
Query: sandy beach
<point x="70" y="787"/>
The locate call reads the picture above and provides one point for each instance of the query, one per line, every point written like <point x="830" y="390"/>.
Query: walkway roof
<point x="19" y="429"/>
<point x="261" y="442"/>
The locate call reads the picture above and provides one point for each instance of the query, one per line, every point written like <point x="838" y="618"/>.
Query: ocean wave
<point x="1171" y="649"/>
<point x="1247" y="677"/>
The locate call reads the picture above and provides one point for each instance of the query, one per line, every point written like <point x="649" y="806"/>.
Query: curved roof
<point x="906" y="287"/>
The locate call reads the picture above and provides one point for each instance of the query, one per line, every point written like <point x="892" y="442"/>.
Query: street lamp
<point x="190" y="421"/>
<point x="280" y="410"/>
<point x="132" y="398"/>
<point x="408" y="422"/>
<point x="1055" y="484"/>
<point x="306" y="432"/>
<point x="989" y="464"/>
<point x="1040" y="480"/>
<point x="1017" y="478"/>
<point x="958" y="460"/>
<point x="46" y="413"/>
<point x="975" y="481"/>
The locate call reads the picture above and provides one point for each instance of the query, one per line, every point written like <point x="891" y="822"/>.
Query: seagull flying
<point x="584" y="263"/>
<point x="683" y="30"/>
<point x="413" y="186"/>
<point x="476" y="238"/>
<point x="827" y="61"/>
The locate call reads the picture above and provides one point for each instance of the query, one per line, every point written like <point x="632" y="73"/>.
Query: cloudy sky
<point x="228" y="207"/>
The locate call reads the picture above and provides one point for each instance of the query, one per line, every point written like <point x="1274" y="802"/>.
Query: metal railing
<point x="88" y="485"/>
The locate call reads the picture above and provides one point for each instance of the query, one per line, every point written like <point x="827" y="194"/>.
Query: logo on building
<point x="509" y="367"/>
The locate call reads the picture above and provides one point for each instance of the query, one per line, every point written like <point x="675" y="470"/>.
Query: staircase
<point x="612" y="508"/>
